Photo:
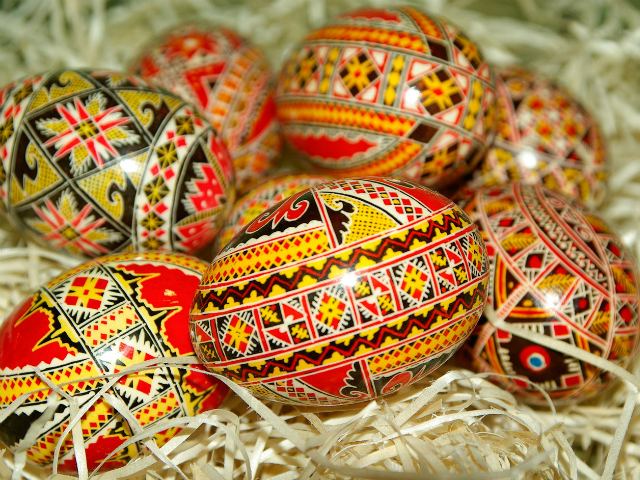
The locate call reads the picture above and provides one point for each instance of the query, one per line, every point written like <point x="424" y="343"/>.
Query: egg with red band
<point x="388" y="91"/>
<point x="97" y="319"/>
<point x="342" y="292"/>
<point x="558" y="270"/>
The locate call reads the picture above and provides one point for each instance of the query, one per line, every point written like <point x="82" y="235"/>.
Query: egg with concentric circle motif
<point x="97" y="319"/>
<point x="342" y="292"/>
<point x="559" y="270"/>
<point x="388" y="91"/>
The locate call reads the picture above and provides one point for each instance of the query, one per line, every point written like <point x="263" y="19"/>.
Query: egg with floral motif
<point x="545" y="136"/>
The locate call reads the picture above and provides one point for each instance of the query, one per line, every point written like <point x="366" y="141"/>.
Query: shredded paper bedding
<point x="453" y="425"/>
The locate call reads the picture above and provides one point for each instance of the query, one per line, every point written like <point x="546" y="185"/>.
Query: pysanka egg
<point x="229" y="80"/>
<point x="544" y="136"/>
<point x="99" y="318"/>
<point x="97" y="162"/>
<point x="390" y="91"/>
<point x="262" y="197"/>
<point x="342" y="292"/>
<point x="559" y="270"/>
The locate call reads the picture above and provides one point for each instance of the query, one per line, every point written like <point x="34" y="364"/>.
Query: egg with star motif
<point x="98" y="162"/>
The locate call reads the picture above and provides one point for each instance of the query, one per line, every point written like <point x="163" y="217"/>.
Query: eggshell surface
<point x="557" y="269"/>
<point x="97" y="162"/>
<point x="388" y="91"/>
<point x="545" y="136"/>
<point x="229" y="80"/>
<point x="99" y="318"/>
<point x="263" y="196"/>
<point x="341" y="293"/>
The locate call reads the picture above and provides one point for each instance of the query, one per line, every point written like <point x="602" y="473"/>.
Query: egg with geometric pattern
<point x="341" y="293"/>
<point x="559" y="270"/>
<point x="261" y="197"/>
<point x="97" y="162"/>
<point x="99" y="318"/>
<point x="229" y="80"/>
<point x="388" y="91"/>
<point x="544" y="136"/>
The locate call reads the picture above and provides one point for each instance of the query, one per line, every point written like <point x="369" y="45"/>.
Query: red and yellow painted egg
<point x="341" y="293"/>
<point x="544" y="136"/>
<point x="229" y="80"/>
<point x="559" y="270"/>
<point x="97" y="162"/>
<point x="388" y="91"/>
<point x="261" y="198"/>
<point x="99" y="318"/>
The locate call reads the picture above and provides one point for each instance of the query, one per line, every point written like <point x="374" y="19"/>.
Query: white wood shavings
<point x="455" y="423"/>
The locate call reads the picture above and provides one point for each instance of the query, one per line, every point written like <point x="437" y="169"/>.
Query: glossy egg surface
<point x="342" y="292"/>
<point x="260" y="198"/>
<point x="544" y="136"/>
<point x="559" y="270"/>
<point x="99" y="318"/>
<point x="229" y="80"/>
<point x="97" y="162"/>
<point x="389" y="91"/>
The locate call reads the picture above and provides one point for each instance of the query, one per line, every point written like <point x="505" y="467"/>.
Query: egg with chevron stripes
<point x="342" y="292"/>
<point x="559" y="272"/>
<point x="89" y="331"/>
<point x="388" y="91"/>
<point x="97" y="162"/>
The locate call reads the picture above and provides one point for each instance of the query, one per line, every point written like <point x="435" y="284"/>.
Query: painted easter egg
<point x="389" y="91"/>
<point x="96" y="319"/>
<point x="262" y="197"/>
<point x="97" y="162"/>
<point x="559" y="270"/>
<point x="229" y="80"/>
<point x="544" y="136"/>
<point x="341" y="293"/>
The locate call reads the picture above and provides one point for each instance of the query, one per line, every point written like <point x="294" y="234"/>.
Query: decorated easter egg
<point x="230" y="82"/>
<point x="97" y="319"/>
<point x="262" y="197"/>
<point x="96" y="162"/>
<point x="389" y="91"/>
<point x="557" y="269"/>
<point x="544" y="136"/>
<point x="341" y="293"/>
